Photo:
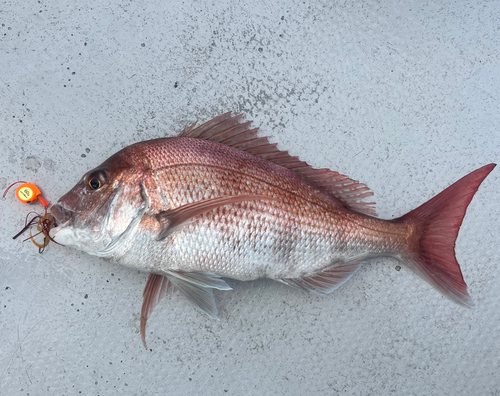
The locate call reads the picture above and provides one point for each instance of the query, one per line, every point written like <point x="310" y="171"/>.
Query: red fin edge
<point x="432" y="253"/>
<point x="156" y="288"/>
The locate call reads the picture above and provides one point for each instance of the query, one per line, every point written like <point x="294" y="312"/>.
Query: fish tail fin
<point x="431" y="252"/>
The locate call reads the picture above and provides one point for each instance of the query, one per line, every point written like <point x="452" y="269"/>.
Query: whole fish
<point x="219" y="202"/>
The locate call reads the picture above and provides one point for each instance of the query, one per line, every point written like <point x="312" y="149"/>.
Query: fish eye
<point x="96" y="180"/>
<point x="94" y="184"/>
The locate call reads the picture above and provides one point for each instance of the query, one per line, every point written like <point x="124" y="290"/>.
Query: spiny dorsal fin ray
<point x="229" y="131"/>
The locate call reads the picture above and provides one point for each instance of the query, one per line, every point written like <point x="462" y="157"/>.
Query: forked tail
<point x="437" y="222"/>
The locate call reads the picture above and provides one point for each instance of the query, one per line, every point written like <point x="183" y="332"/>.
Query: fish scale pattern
<point x="303" y="230"/>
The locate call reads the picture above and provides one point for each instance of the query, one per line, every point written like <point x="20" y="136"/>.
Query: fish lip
<point x="61" y="214"/>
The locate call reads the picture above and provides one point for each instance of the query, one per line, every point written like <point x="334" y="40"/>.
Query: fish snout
<point x="61" y="214"/>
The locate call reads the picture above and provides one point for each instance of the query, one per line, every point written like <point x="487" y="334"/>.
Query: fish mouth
<point x="61" y="214"/>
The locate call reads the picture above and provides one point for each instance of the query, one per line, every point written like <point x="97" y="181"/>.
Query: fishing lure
<point x="29" y="193"/>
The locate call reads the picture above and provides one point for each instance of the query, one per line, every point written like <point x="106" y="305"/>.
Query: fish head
<point x="102" y="211"/>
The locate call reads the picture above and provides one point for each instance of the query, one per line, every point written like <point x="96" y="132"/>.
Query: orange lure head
<point x="29" y="193"/>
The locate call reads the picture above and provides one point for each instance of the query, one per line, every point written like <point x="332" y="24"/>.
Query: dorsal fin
<point x="229" y="131"/>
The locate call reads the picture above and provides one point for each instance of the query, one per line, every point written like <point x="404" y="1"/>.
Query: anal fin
<point x="326" y="281"/>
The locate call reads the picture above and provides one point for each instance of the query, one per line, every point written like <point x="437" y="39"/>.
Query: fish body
<point x="295" y="230"/>
<point x="219" y="202"/>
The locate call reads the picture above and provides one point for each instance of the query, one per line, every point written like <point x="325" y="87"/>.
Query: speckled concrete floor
<point x="400" y="95"/>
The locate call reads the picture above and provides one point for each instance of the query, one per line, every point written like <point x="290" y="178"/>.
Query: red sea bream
<point x="219" y="202"/>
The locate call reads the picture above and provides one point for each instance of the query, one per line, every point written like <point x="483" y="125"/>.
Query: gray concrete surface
<point x="401" y="95"/>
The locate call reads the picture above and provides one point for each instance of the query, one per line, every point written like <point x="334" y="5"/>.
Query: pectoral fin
<point x="174" y="219"/>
